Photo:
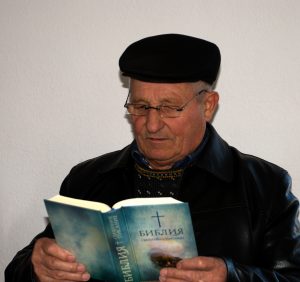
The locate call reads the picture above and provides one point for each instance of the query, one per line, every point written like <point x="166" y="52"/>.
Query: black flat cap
<point x="171" y="58"/>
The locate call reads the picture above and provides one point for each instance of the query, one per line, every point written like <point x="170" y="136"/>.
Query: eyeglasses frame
<point x="148" y="107"/>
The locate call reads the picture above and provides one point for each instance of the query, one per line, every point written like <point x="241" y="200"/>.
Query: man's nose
<point x="154" y="121"/>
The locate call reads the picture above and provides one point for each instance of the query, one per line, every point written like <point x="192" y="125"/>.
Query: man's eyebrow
<point x="138" y="101"/>
<point x="164" y="101"/>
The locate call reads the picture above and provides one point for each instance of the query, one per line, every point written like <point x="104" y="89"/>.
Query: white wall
<point x="61" y="97"/>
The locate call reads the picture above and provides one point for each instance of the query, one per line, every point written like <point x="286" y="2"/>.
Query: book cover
<point x="130" y="242"/>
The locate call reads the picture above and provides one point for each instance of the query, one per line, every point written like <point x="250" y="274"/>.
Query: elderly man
<point x="243" y="212"/>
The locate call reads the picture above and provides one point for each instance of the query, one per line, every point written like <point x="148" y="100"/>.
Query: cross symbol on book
<point x="158" y="218"/>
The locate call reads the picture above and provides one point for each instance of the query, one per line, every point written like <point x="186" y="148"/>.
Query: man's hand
<point x="204" y="269"/>
<point x="52" y="263"/>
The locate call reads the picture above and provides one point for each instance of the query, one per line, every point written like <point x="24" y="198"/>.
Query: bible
<point x="131" y="241"/>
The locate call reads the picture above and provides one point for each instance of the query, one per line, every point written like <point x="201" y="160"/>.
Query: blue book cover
<point x="130" y="242"/>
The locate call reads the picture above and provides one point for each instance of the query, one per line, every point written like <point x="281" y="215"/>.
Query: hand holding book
<point x="52" y="261"/>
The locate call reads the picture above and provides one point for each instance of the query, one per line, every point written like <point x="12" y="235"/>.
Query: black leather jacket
<point x="242" y="209"/>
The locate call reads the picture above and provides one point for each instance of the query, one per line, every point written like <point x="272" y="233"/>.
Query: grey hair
<point x="200" y="86"/>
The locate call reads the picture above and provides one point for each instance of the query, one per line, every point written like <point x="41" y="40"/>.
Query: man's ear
<point x="210" y="104"/>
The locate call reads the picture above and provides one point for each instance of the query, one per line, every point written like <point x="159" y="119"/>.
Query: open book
<point x="130" y="242"/>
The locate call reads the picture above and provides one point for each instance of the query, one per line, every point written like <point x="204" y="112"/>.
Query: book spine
<point x="121" y="248"/>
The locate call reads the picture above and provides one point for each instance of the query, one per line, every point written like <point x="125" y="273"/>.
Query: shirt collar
<point x="213" y="155"/>
<point x="141" y="159"/>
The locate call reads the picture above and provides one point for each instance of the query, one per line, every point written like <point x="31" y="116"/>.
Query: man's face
<point x="163" y="141"/>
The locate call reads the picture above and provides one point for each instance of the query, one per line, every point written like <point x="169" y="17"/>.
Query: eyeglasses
<point x="139" y="109"/>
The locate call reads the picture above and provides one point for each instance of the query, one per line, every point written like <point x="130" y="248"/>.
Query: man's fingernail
<point x="85" y="277"/>
<point x="162" y="278"/>
<point x="80" y="268"/>
<point x="71" y="258"/>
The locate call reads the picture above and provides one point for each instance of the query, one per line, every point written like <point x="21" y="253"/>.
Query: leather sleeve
<point x="280" y="254"/>
<point x="20" y="269"/>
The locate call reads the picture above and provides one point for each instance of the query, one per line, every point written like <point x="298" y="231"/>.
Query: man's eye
<point x="169" y="108"/>
<point x="140" y="106"/>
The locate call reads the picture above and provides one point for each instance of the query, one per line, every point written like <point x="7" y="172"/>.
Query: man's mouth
<point x="157" y="139"/>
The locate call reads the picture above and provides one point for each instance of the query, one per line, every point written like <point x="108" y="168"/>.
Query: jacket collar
<point x="215" y="158"/>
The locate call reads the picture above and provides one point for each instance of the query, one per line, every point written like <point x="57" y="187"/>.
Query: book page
<point x="145" y="201"/>
<point x="81" y="203"/>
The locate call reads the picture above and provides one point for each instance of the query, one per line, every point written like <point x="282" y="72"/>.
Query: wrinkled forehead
<point x="163" y="91"/>
<point x="179" y="87"/>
